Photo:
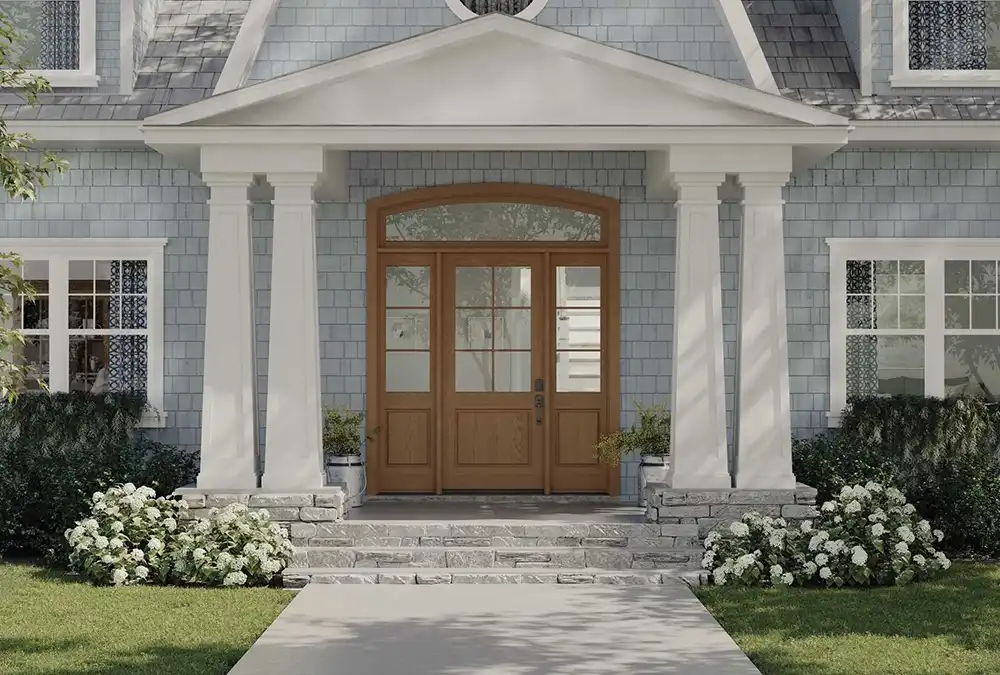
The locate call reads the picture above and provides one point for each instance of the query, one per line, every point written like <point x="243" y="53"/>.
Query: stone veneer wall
<point x="286" y="509"/>
<point x="711" y="509"/>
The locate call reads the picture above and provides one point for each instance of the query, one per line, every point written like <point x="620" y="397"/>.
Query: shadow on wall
<point x="544" y="630"/>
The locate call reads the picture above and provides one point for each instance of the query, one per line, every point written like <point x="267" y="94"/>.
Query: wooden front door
<point x="493" y="347"/>
<point x="493" y="364"/>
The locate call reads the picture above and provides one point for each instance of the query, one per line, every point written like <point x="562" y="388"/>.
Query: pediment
<point x="496" y="71"/>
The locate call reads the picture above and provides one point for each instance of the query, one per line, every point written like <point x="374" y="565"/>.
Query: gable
<point x="461" y="84"/>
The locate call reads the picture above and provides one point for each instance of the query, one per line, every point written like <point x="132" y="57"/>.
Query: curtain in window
<point x="494" y="6"/>
<point x="949" y="34"/>
<point x="59" y="30"/>
<point x="128" y="354"/>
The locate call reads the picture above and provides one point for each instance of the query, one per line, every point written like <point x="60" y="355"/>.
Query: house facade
<point x="495" y="225"/>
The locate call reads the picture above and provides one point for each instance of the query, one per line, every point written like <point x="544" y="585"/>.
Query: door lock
<point x="539" y="407"/>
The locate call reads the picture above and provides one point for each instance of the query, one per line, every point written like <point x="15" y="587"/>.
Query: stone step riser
<point x="299" y="578"/>
<point x="501" y="542"/>
<point x="305" y="532"/>
<point x="599" y="558"/>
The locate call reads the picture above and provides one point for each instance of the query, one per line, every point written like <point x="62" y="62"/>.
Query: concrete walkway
<point x="495" y="630"/>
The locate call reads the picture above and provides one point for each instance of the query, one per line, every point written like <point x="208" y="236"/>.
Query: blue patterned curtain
<point x="128" y="355"/>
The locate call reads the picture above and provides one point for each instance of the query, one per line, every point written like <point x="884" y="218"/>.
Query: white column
<point x="699" y="453"/>
<point x="229" y="400"/>
<point x="763" y="436"/>
<point x="294" y="441"/>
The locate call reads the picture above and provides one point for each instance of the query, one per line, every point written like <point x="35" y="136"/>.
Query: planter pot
<point x="350" y="472"/>
<point x="652" y="469"/>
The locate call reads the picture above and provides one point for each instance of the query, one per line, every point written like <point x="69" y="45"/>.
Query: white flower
<point x="787" y="578"/>
<point x="777" y="539"/>
<point x="902" y="548"/>
<point x="117" y="526"/>
<point x="116" y="543"/>
<point x="895" y="495"/>
<point x="141" y="572"/>
<point x="98" y="497"/>
<point x="806" y="526"/>
<point x="938" y="534"/>
<point x="924" y="526"/>
<point x="712" y="537"/>
<point x="107" y="559"/>
<point x="825" y="573"/>
<point x="810" y="567"/>
<point x="777" y="570"/>
<point x="155" y="544"/>
<point x="835" y="546"/>
<point x="90" y="524"/>
<point x="198" y="554"/>
<point x="942" y="560"/>
<point x="77" y="532"/>
<point x="780" y="522"/>
<point x="743" y="562"/>
<point x="822" y="559"/>
<point x="920" y="560"/>
<point x="708" y="559"/>
<point x="877" y="515"/>
<point x="909" y="509"/>
<point x="739" y="529"/>
<point x="905" y="533"/>
<point x="878" y="529"/>
<point x="152" y="513"/>
<point x="170" y="524"/>
<point x="719" y="576"/>
<point x="137" y="554"/>
<point x="128" y="488"/>
<point x="119" y="576"/>
<point x="837" y="519"/>
<point x="859" y="556"/>
<point x="872" y="486"/>
<point x="818" y="539"/>
<point x="100" y="541"/>
<point x="853" y="507"/>
<point x="234" y="579"/>
<point x="846" y="492"/>
<point x="137" y="521"/>
<point x="829" y="507"/>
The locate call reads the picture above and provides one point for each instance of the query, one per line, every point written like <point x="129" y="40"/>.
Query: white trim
<point x="79" y="131"/>
<point x="126" y="51"/>
<point x="733" y="14"/>
<point x="696" y="84"/>
<point x="926" y="132"/>
<point x="902" y="76"/>
<point x="866" y="40"/>
<point x="59" y="251"/>
<point x="933" y="251"/>
<point x="248" y="42"/>
<point x="466" y="14"/>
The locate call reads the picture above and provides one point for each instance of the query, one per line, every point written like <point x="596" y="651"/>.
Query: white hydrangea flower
<point x="905" y="533"/>
<point x="901" y="548"/>
<point x="116" y="543"/>
<point x="787" y="578"/>
<point x="137" y="554"/>
<point x="909" y="509"/>
<point x="170" y="524"/>
<point x="117" y="526"/>
<point x="272" y="566"/>
<point x="119" y="576"/>
<point x="878" y="529"/>
<point x="828" y="507"/>
<point x="719" y="576"/>
<point x="141" y="572"/>
<point x="942" y="560"/>
<point x="97" y="497"/>
<point x="872" y="486"/>
<point x="777" y="570"/>
<point x="128" y="488"/>
<point x="712" y="537"/>
<point x="837" y="519"/>
<point x="924" y="526"/>
<point x="938" y="534"/>
<point x="825" y="573"/>
<point x="806" y="526"/>
<point x="90" y="525"/>
<point x="234" y="579"/>
<point x="155" y="544"/>
<point x="100" y="542"/>
<point x="822" y="559"/>
<point x="152" y="513"/>
<point x="834" y="546"/>
<point x="859" y="556"/>
<point x="853" y="507"/>
<point x="198" y="554"/>
<point x="895" y="495"/>
<point x="107" y="559"/>
<point x="739" y="529"/>
<point x="846" y="492"/>
<point x="920" y="560"/>
<point x="810" y="567"/>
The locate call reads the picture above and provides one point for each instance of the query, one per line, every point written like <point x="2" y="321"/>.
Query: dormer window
<point x="946" y="43"/>
<point x="56" y="39"/>
<point x="522" y="9"/>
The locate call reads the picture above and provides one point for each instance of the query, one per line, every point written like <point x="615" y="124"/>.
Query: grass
<point x="51" y="624"/>
<point x="945" y="627"/>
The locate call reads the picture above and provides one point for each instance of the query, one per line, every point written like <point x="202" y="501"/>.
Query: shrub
<point x="56" y="451"/>
<point x="128" y="537"/>
<point x="867" y="535"/>
<point x="941" y="452"/>
<point x="232" y="547"/>
<point x="649" y="436"/>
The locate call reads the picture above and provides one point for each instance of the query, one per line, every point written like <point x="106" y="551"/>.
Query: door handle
<point x="539" y="407"/>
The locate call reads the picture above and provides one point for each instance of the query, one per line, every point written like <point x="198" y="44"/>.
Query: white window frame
<point x="58" y="253"/>
<point x="934" y="252"/>
<point x="86" y="74"/>
<point x="528" y="13"/>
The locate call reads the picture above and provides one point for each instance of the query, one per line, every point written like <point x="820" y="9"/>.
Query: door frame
<point x="377" y="246"/>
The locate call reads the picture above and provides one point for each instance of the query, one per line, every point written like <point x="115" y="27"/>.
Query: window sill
<point x="67" y="78"/>
<point x="946" y="78"/>
<point x="153" y="419"/>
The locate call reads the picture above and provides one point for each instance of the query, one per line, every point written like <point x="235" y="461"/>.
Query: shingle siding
<point x="309" y="32"/>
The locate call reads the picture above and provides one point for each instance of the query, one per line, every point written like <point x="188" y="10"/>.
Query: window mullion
<point x="934" y="326"/>
<point x="59" y="323"/>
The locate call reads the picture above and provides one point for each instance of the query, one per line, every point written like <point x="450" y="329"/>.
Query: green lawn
<point x="946" y="627"/>
<point x="54" y="625"/>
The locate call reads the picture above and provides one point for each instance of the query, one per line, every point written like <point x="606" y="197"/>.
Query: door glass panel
<point x="512" y="286"/>
<point x="408" y="371"/>
<point x="408" y="287"/>
<point x="578" y="329"/>
<point x="493" y="222"/>
<point x="474" y="287"/>
<point x="473" y="371"/>
<point x="513" y="329"/>
<point x="512" y="371"/>
<point x="407" y="329"/>
<point x="473" y="329"/>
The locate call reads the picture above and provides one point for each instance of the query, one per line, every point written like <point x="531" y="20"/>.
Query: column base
<point x="298" y="483"/>
<point x="226" y="480"/>
<point x="714" y="481"/>
<point x="755" y="480"/>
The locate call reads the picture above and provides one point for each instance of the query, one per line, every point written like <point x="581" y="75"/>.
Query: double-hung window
<point x="56" y="39"/>
<point x="914" y="316"/>
<point x="96" y="323"/>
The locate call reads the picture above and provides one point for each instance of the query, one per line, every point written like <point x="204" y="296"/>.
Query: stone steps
<point x="492" y="533"/>
<point x="299" y="577"/>
<point x="486" y="557"/>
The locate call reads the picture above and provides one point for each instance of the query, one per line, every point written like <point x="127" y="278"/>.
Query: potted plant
<point x="343" y="433"/>
<point x="649" y="437"/>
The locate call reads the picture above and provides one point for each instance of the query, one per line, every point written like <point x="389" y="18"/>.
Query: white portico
<point x="288" y="140"/>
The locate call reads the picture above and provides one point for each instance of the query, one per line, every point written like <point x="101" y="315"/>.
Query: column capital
<point x="293" y="179"/>
<point x="763" y="179"/>
<point x="228" y="189"/>
<point x="698" y="189"/>
<point x="683" y="179"/>
<point x="227" y="178"/>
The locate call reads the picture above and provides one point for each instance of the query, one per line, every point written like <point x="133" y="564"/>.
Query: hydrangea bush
<point x="867" y="535"/>
<point x="128" y="537"/>
<point x="234" y="546"/>
<point x="133" y="537"/>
